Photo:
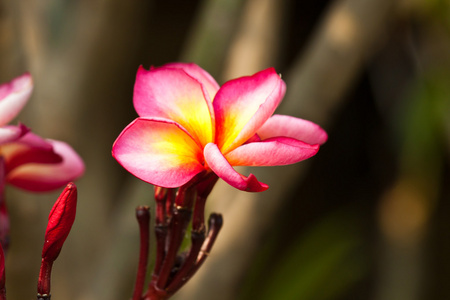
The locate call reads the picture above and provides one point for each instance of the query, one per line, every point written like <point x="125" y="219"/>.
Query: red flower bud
<point x="60" y="222"/>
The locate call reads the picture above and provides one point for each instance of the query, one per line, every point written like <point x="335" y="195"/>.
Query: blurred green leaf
<point x="321" y="265"/>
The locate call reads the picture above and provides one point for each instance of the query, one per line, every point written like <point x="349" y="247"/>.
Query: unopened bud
<point x="60" y="222"/>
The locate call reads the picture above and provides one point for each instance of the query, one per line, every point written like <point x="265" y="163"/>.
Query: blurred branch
<point x="256" y="44"/>
<point x="317" y="83"/>
<point x="349" y="35"/>
<point x="210" y="37"/>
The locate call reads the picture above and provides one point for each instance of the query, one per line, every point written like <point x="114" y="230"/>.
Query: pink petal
<point x="201" y="75"/>
<point x="243" y="105"/>
<point x="28" y="149"/>
<point x="38" y="177"/>
<point x="13" y="97"/>
<point x="219" y="165"/>
<point x="11" y="133"/>
<point x="159" y="152"/>
<point x="174" y="95"/>
<point x="252" y="139"/>
<point x="303" y="130"/>
<point x="272" y="152"/>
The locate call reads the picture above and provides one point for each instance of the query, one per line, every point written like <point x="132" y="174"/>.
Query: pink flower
<point x="188" y="124"/>
<point x="31" y="162"/>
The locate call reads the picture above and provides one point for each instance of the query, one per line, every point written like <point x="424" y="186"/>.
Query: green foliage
<point x="322" y="264"/>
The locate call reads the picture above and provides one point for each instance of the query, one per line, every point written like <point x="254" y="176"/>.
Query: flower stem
<point x="197" y="239"/>
<point x="143" y="217"/>
<point x="173" y="269"/>
<point x="179" y="222"/>
<point x="155" y="293"/>
<point x="215" y="223"/>
<point x="4" y="216"/>
<point x="45" y="274"/>
<point x="2" y="275"/>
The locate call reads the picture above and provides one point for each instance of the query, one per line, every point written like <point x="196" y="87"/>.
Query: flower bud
<point x="60" y="222"/>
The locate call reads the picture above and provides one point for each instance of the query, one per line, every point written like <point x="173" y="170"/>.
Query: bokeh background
<point x="366" y="218"/>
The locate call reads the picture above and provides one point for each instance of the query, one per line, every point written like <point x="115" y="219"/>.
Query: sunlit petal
<point x="172" y="94"/>
<point x="201" y="75"/>
<point x="272" y="152"/>
<point x="219" y="165"/>
<point x="159" y="152"/>
<point x="303" y="130"/>
<point x="242" y="105"/>
<point x="13" y="97"/>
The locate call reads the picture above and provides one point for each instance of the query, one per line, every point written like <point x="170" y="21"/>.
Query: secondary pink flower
<point x="31" y="162"/>
<point x="187" y="124"/>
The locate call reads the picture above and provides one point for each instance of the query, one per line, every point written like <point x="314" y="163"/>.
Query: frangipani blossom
<point x="188" y="124"/>
<point x="31" y="162"/>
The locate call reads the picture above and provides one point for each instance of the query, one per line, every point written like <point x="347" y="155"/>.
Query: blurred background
<point x="367" y="218"/>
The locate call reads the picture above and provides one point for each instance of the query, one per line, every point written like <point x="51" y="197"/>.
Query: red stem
<point x="2" y="275"/>
<point x="154" y="293"/>
<point x="215" y="223"/>
<point x="143" y="217"/>
<point x="164" y="202"/>
<point x="179" y="222"/>
<point x="4" y="217"/>
<point x="181" y="277"/>
<point x="45" y="275"/>
<point x="161" y="238"/>
<point x="169" y="204"/>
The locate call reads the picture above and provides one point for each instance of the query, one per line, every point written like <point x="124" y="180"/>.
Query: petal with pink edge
<point x="13" y="97"/>
<point x="219" y="165"/>
<point x="201" y="75"/>
<point x="30" y="148"/>
<point x="159" y="152"/>
<point x="243" y="105"/>
<point x="272" y="152"/>
<point x="172" y="94"/>
<point x="303" y="130"/>
<point x="40" y="177"/>
<point x="11" y="133"/>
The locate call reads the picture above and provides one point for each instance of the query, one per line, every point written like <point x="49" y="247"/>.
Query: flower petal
<point x="243" y="105"/>
<point x="11" y="133"/>
<point x="13" y="97"/>
<point x="201" y="75"/>
<point x="219" y="165"/>
<point x="174" y="95"/>
<point x="272" y="152"/>
<point x="159" y="152"/>
<point x="303" y="130"/>
<point x="39" y="177"/>
<point x="29" y="149"/>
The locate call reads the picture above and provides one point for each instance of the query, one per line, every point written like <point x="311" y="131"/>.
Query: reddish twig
<point x="143" y="217"/>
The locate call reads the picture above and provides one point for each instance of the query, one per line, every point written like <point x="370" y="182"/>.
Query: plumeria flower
<point x="188" y="124"/>
<point x="29" y="161"/>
